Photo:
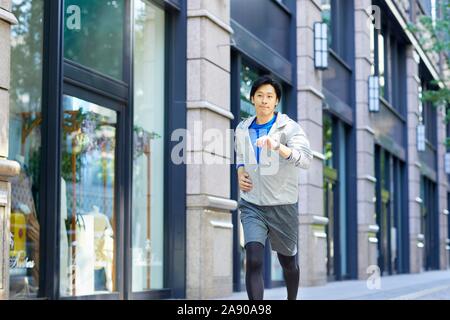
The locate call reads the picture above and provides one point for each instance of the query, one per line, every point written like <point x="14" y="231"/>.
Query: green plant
<point x="434" y="34"/>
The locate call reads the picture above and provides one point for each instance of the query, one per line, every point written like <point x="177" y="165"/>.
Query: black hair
<point x="263" y="80"/>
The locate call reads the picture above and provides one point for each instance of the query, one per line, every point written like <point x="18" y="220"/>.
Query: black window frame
<point x="340" y="25"/>
<point x="394" y="94"/>
<point x="429" y="115"/>
<point x="62" y="76"/>
<point x="340" y="130"/>
<point x="391" y="178"/>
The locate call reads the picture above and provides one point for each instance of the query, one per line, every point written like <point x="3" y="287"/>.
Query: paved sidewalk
<point x="426" y="285"/>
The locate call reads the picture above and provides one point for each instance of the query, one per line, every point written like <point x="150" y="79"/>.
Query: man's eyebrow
<point x="259" y="91"/>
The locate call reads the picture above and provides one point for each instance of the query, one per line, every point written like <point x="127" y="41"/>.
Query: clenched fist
<point x="245" y="183"/>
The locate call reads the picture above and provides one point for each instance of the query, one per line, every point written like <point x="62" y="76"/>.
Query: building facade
<point x="117" y="177"/>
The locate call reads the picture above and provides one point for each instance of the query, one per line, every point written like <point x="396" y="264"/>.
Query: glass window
<point x="248" y="76"/>
<point x="93" y="34"/>
<point x="25" y="146"/>
<point x="342" y="175"/>
<point x="148" y="158"/>
<point x="381" y="65"/>
<point x="326" y="17"/>
<point x="328" y="141"/>
<point x="372" y="48"/>
<point x="88" y="215"/>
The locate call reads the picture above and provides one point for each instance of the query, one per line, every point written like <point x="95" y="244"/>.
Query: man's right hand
<point x="245" y="183"/>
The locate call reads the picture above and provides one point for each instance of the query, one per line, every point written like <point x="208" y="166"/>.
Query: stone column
<point x="365" y="171"/>
<point x="209" y="267"/>
<point x="442" y="189"/>
<point x="8" y="168"/>
<point x="312" y="236"/>
<point x="414" y="200"/>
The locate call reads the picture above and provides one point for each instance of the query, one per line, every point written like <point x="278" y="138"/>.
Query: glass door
<point x="389" y="211"/>
<point x="330" y="178"/>
<point x="89" y="214"/>
<point x="429" y="226"/>
<point x="383" y="207"/>
<point x="384" y="235"/>
<point x="95" y="96"/>
<point x="329" y="186"/>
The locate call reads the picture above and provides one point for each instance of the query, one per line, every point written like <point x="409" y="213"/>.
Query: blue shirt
<point x="256" y="131"/>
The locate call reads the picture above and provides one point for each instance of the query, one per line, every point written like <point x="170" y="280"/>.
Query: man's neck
<point x="264" y="119"/>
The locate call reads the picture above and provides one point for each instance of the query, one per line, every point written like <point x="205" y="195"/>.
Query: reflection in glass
<point x="372" y="48"/>
<point x="248" y="76"/>
<point x="326" y="17"/>
<point x="381" y="65"/>
<point x="328" y="141"/>
<point x="277" y="270"/>
<point x="93" y="34"/>
<point x="25" y="146"/>
<point x="87" y="199"/>
<point x="329" y="189"/>
<point x="148" y="157"/>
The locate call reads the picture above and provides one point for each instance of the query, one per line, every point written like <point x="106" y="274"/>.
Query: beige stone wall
<point x="412" y="85"/>
<point x="312" y="242"/>
<point x="367" y="246"/>
<point x="442" y="190"/>
<point x="209" y="267"/>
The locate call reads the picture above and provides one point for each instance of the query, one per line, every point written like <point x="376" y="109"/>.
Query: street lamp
<point x="420" y="137"/>
<point x="447" y="162"/>
<point x="374" y="94"/>
<point x="320" y="45"/>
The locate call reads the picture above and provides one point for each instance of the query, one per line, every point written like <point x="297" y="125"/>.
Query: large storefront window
<point x="88" y="214"/>
<point x="93" y="34"/>
<point x="429" y="225"/>
<point x="148" y="157"/>
<point x="25" y="146"/>
<point x="335" y="196"/>
<point x="390" y="213"/>
<point x="329" y="189"/>
<point x="81" y="236"/>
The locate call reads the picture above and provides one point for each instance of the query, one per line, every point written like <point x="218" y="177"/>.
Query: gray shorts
<point x="279" y="223"/>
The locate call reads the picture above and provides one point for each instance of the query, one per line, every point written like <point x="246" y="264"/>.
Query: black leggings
<point x="254" y="281"/>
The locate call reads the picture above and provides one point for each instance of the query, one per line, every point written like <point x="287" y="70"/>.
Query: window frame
<point x="58" y="76"/>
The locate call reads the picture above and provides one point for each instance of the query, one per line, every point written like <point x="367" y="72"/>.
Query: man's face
<point x="265" y="100"/>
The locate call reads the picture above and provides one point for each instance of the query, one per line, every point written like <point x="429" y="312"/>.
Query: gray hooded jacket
<point x="275" y="180"/>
